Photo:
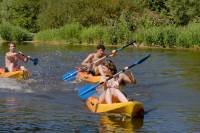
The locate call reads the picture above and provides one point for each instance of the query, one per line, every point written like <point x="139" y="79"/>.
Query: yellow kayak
<point x="19" y="75"/>
<point x="133" y="109"/>
<point x="84" y="76"/>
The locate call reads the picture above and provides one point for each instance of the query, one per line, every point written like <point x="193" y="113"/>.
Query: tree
<point x="21" y="13"/>
<point x="183" y="11"/>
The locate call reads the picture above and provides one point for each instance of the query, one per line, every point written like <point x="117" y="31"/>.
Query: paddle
<point x="89" y="89"/>
<point x="34" y="60"/>
<point x="70" y="75"/>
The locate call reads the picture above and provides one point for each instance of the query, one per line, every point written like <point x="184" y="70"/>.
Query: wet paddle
<point x="90" y="89"/>
<point x="34" y="60"/>
<point x="68" y="76"/>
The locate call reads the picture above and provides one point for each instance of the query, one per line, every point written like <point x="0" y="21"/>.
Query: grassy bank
<point x="168" y="36"/>
<point x="162" y="36"/>
<point x="94" y="34"/>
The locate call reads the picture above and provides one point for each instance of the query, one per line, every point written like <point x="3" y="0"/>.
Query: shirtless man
<point x="12" y="59"/>
<point x="89" y="62"/>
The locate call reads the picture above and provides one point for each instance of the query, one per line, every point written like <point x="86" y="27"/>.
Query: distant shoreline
<point x="139" y="45"/>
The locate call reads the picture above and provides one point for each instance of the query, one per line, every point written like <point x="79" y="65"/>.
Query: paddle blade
<point x="86" y="89"/>
<point x="87" y="95"/>
<point x="35" y="61"/>
<point x="70" y="75"/>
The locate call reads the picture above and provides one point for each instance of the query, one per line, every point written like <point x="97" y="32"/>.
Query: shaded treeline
<point x="110" y="21"/>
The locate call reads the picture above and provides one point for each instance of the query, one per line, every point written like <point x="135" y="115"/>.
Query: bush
<point x="13" y="33"/>
<point x="6" y="32"/>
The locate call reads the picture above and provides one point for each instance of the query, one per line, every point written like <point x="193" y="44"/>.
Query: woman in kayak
<point x="12" y="59"/>
<point x="124" y="78"/>
<point x="112" y="86"/>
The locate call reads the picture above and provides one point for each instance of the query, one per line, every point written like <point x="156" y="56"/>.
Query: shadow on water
<point x="150" y="110"/>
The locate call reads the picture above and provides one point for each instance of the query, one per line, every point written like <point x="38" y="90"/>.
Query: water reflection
<point x="112" y="124"/>
<point x="10" y="105"/>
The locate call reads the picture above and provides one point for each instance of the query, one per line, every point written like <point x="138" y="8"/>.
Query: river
<point x="167" y="83"/>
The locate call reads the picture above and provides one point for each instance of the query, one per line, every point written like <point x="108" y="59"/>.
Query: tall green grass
<point x="13" y="33"/>
<point x="95" y="34"/>
<point x="170" y="36"/>
<point x="68" y="33"/>
<point x="77" y="33"/>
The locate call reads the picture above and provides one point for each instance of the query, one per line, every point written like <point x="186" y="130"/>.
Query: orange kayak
<point x="19" y="75"/>
<point x="131" y="109"/>
<point x="84" y="76"/>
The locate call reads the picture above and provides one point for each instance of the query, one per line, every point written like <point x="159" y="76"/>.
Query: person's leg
<point x="119" y="95"/>
<point x="102" y="97"/>
<point x="108" y="97"/>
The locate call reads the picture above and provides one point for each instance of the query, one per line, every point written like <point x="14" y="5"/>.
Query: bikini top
<point x="113" y="83"/>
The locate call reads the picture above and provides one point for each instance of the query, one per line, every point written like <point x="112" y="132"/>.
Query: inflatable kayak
<point x="84" y="76"/>
<point x="132" y="109"/>
<point x="19" y="75"/>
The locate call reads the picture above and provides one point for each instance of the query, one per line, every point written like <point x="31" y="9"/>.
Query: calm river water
<point x="168" y="85"/>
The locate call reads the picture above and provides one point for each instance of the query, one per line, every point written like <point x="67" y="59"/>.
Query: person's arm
<point x="22" y="57"/>
<point x="101" y="70"/>
<point x="126" y="78"/>
<point x="87" y="61"/>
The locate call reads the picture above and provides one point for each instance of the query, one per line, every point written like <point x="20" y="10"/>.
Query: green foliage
<point x="159" y="36"/>
<point x="183" y="11"/>
<point x="170" y="36"/>
<point x="121" y="31"/>
<point x="21" y="13"/>
<point x="95" y="34"/>
<point x="54" y="14"/>
<point x="189" y="36"/>
<point x="12" y="33"/>
<point x="6" y="32"/>
<point x="109" y="21"/>
<point x="48" y="35"/>
<point x="69" y="33"/>
<point x="156" y="5"/>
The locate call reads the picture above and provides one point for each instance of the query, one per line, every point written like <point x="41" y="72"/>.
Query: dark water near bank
<point x="168" y="85"/>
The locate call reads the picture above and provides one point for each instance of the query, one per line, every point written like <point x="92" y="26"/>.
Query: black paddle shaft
<point x="128" y="67"/>
<point x="34" y="60"/>
<point x="130" y="43"/>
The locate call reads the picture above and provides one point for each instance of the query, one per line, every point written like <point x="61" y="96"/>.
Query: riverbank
<point x="170" y="36"/>
<point x="138" y="45"/>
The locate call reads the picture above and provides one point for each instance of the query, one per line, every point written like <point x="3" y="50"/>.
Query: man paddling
<point x="93" y="60"/>
<point x="12" y="59"/>
<point x="96" y="68"/>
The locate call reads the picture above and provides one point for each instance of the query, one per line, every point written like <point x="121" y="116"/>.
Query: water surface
<point x="168" y="85"/>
